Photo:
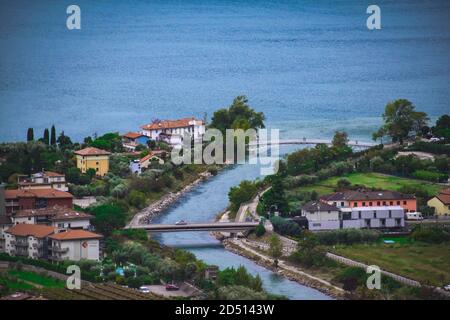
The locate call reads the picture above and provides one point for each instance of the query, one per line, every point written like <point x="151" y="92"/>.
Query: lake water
<point x="312" y="66"/>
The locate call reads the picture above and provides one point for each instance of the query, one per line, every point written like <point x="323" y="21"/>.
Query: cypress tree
<point x="30" y="134"/>
<point x="46" y="137"/>
<point x="53" y="136"/>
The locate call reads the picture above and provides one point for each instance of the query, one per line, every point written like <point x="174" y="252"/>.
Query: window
<point x="334" y="203"/>
<point x="355" y="204"/>
<point x="390" y="213"/>
<point x="391" y="203"/>
<point x="374" y="214"/>
<point x="378" y="203"/>
<point x="363" y="204"/>
<point x="370" y="203"/>
<point x="398" y="203"/>
<point x="359" y="214"/>
<point x="404" y="202"/>
<point x="384" y="203"/>
<point x="383" y="222"/>
<point x="342" y="203"/>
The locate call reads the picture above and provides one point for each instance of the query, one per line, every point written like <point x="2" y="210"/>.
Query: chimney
<point x="2" y="200"/>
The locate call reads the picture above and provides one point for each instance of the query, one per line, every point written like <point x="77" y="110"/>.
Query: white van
<point x="414" y="216"/>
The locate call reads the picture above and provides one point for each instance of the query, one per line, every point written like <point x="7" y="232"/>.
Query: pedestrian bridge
<point x="211" y="226"/>
<point x="351" y="143"/>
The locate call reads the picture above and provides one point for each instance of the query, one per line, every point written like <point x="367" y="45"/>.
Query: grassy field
<point x="374" y="180"/>
<point x="425" y="263"/>
<point x="37" y="280"/>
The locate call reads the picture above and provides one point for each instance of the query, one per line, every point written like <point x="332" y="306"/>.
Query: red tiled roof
<point x="36" y="193"/>
<point x="53" y="174"/>
<point x="366" y="195"/>
<point x="133" y="135"/>
<point x="91" y="151"/>
<point x="56" y="213"/>
<point x="35" y="230"/>
<point x="149" y="156"/>
<point x="444" y="196"/>
<point x="75" y="235"/>
<point x="170" y="124"/>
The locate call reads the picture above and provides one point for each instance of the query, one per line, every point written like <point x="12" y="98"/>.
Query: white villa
<point x="173" y="130"/>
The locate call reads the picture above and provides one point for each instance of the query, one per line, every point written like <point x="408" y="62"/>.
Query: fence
<point x="354" y="263"/>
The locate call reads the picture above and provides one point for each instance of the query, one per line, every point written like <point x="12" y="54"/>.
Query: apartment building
<point x="323" y="216"/>
<point x="28" y="240"/>
<point x="93" y="158"/>
<point x="364" y="198"/>
<point x="20" y="199"/>
<point x="43" y="180"/>
<point x="59" y="217"/>
<point x="5" y="224"/>
<point x="174" y="129"/>
<point x="74" y="245"/>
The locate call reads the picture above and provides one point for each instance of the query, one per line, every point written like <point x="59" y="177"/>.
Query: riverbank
<point x="290" y="272"/>
<point x="146" y="215"/>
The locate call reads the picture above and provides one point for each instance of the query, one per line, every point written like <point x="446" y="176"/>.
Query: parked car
<point x="447" y="287"/>
<point x="144" y="289"/>
<point x="172" y="287"/>
<point x="414" y="216"/>
<point x="181" y="223"/>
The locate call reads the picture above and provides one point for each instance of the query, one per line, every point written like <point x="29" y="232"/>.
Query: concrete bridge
<point x="232" y="227"/>
<point x="351" y="143"/>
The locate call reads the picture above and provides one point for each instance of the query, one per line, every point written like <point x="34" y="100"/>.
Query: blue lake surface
<point x="312" y="66"/>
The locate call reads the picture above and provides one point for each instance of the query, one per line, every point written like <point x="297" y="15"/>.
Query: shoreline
<point x="302" y="280"/>
<point x="158" y="207"/>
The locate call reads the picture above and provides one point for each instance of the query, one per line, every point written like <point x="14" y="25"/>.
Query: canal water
<point x="203" y="204"/>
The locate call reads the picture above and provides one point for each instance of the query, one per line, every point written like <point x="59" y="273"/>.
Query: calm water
<point x="201" y="205"/>
<point x="311" y="66"/>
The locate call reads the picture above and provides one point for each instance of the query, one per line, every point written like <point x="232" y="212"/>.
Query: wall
<point x="439" y="207"/>
<point x="90" y="162"/>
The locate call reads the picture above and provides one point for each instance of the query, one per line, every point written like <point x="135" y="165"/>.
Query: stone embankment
<point x="146" y="215"/>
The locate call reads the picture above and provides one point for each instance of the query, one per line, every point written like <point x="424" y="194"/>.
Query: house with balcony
<point x="75" y="245"/>
<point x="28" y="240"/>
<point x="43" y="180"/>
<point x="93" y="158"/>
<point x="131" y="140"/>
<point x="5" y="224"/>
<point x="59" y="217"/>
<point x="172" y="131"/>
<point x="23" y="199"/>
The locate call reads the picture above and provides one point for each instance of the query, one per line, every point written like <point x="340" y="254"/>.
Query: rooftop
<point x="91" y="151"/>
<point x="35" y="230"/>
<point x="444" y="196"/>
<point x="351" y="195"/>
<point x="170" y="124"/>
<point x="36" y="193"/>
<point x="314" y="206"/>
<point x="75" y="235"/>
<point x="133" y="135"/>
<point x="56" y="213"/>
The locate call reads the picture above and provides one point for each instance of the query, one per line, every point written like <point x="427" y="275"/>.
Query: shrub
<point x="260" y="230"/>
<point x="348" y="236"/>
<point x="431" y="234"/>
<point x="285" y="227"/>
<point x="430" y="176"/>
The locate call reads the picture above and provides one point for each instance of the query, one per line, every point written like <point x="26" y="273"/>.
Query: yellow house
<point x="441" y="203"/>
<point x="93" y="158"/>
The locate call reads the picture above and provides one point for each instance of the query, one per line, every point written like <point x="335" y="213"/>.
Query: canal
<point x="203" y="204"/>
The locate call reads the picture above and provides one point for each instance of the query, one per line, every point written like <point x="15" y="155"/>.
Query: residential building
<point x="139" y="165"/>
<point x="363" y="198"/>
<point x="133" y="139"/>
<point x="323" y="216"/>
<point x="172" y="139"/>
<point x="36" y="199"/>
<point x="43" y="180"/>
<point x="28" y="240"/>
<point x="75" y="245"/>
<point x="441" y="203"/>
<point x="191" y="126"/>
<point x="59" y="217"/>
<point x="5" y="224"/>
<point x="93" y="158"/>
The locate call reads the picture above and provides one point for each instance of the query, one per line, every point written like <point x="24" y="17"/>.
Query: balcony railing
<point x="58" y="249"/>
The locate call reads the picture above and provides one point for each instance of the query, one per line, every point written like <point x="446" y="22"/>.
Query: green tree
<point x="64" y="142"/>
<point x="442" y="127"/>
<point x="275" y="248"/>
<point x="53" y="136"/>
<point x="107" y="218"/>
<point x="46" y="137"/>
<point x="340" y="139"/>
<point x="30" y="134"/>
<point x="343" y="183"/>
<point x="242" y="193"/>
<point x="401" y="119"/>
<point x="260" y="230"/>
